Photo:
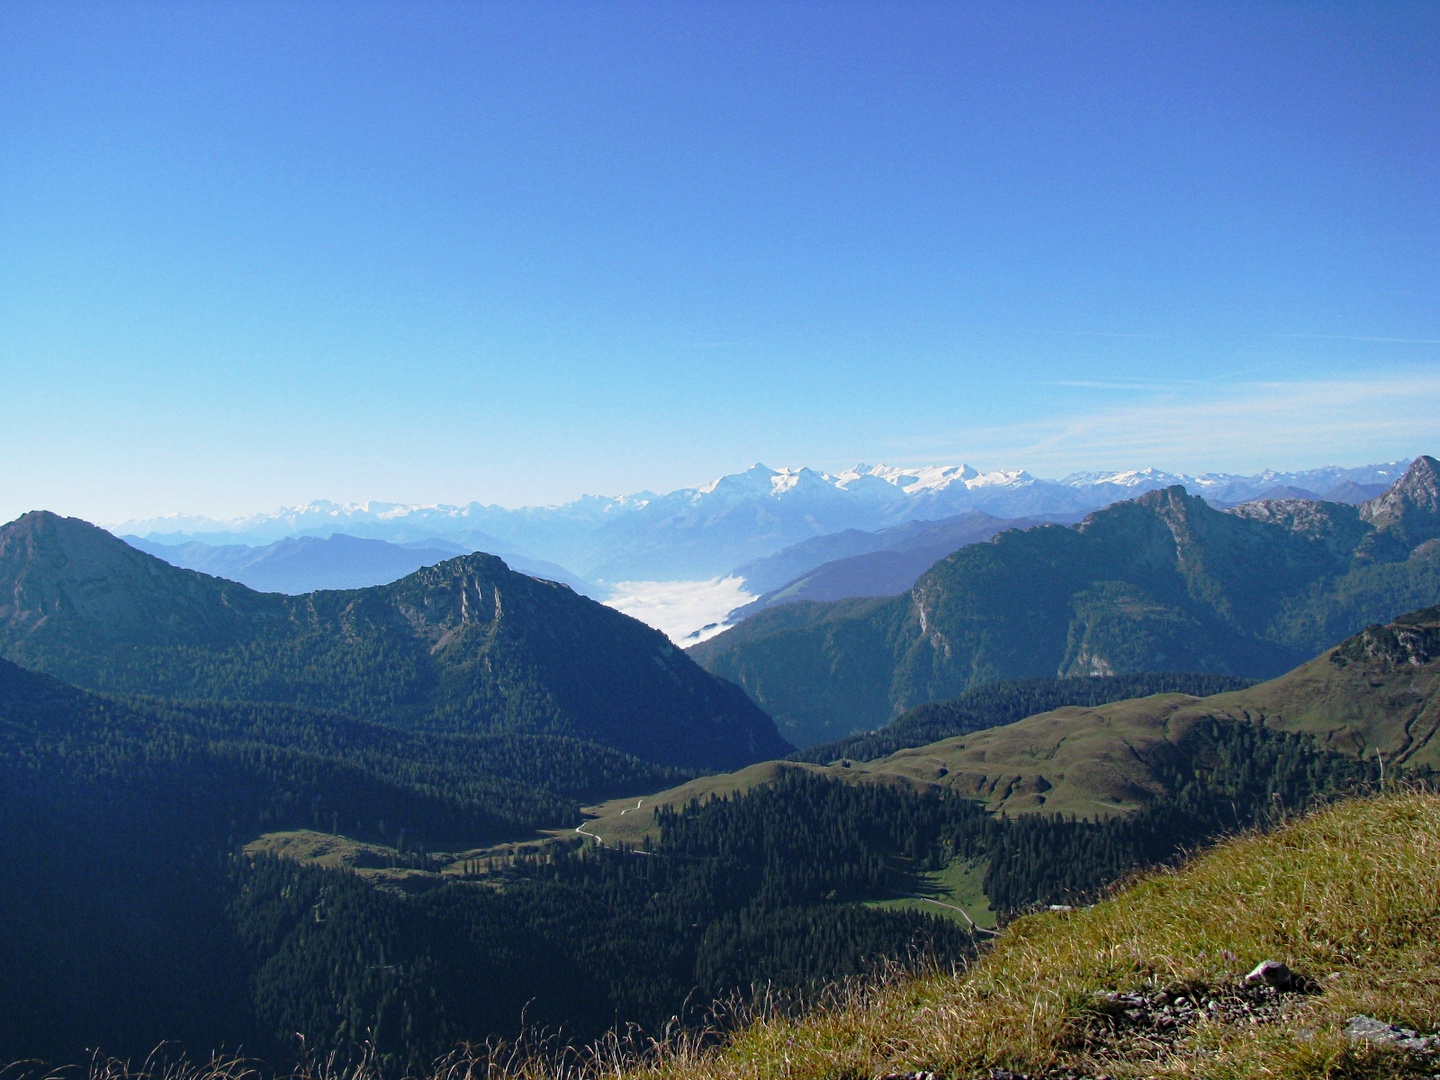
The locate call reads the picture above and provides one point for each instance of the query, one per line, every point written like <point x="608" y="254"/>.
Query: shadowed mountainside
<point x="467" y="645"/>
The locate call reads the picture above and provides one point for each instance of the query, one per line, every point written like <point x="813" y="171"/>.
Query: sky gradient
<point x="252" y="255"/>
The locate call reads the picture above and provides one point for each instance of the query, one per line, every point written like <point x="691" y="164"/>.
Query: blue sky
<point x="254" y="254"/>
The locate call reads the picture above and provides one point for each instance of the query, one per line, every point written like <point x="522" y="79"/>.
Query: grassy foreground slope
<point x="1348" y="898"/>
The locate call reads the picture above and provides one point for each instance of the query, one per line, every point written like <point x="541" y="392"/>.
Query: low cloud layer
<point x="681" y="608"/>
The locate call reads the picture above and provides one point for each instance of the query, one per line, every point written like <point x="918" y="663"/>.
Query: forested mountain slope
<point x="132" y="916"/>
<point x="467" y="645"/>
<point x="1162" y="583"/>
<point x="288" y="766"/>
<point x="122" y="817"/>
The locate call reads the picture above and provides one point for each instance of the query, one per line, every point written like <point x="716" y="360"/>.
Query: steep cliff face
<point x="466" y="645"/>
<point x="1163" y="582"/>
<point x="1410" y="510"/>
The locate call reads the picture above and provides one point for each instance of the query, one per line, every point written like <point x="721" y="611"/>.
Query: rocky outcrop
<point x="1409" y="512"/>
<point x="1411" y="641"/>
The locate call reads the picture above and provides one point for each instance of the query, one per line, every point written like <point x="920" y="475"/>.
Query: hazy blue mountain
<point x="775" y="571"/>
<point x="1353" y="493"/>
<point x="468" y="645"/>
<point x="881" y="563"/>
<point x="300" y="564"/>
<point x="1164" y="582"/>
<point x="704" y="532"/>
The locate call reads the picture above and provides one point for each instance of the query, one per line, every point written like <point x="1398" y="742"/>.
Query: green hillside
<point x="1377" y="691"/>
<point x="466" y="646"/>
<point x="1161" y="583"/>
<point x="1151" y="983"/>
<point x="1009" y="700"/>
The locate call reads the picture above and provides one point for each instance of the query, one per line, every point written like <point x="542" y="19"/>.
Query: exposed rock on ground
<point x="1148" y="1023"/>
<point x="1368" y="1029"/>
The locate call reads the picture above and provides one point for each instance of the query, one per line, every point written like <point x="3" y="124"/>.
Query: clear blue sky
<point x="254" y="254"/>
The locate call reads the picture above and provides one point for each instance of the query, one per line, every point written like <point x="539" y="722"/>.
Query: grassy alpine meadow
<point x="1348" y="897"/>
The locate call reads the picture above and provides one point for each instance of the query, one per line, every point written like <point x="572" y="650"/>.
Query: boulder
<point x="1270" y="973"/>
<point x="1378" y="1033"/>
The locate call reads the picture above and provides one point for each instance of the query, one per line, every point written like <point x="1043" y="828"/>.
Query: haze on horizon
<point x="256" y="256"/>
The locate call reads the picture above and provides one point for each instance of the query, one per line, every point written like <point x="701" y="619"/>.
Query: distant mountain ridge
<point x="301" y="564"/>
<point x="1161" y="582"/>
<point x="704" y="532"/>
<point x="467" y="645"/>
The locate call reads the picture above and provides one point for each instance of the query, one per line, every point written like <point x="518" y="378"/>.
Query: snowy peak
<point x="910" y="481"/>
<point x="1137" y="479"/>
<point x="934" y="478"/>
<point x="759" y="482"/>
<point x="699" y="533"/>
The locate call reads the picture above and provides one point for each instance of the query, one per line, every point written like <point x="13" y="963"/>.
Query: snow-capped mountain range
<point x="704" y="532"/>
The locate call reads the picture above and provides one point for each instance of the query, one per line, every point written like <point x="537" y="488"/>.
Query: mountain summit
<point x="1410" y="508"/>
<point x="466" y="645"/>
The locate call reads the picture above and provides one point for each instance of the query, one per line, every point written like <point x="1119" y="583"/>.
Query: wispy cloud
<point x="1109" y="384"/>
<point x="1360" y="337"/>
<point x="1099" y="333"/>
<point x="1241" y="427"/>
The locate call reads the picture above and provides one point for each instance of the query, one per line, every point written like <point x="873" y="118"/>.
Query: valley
<point x="365" y="803"/>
